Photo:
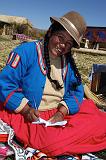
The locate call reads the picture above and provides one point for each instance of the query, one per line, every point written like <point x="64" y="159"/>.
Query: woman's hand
<point x="30" y="114"/>
<point x="59" y="115"/>
<point x="56" y="118"/>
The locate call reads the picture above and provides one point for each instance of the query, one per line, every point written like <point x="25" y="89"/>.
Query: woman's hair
<point x="54" y="28"/>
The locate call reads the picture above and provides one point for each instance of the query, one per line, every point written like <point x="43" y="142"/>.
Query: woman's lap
<point x="84" y="132"/>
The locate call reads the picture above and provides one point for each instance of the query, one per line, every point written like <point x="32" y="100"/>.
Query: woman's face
<point x="60" y="43"/>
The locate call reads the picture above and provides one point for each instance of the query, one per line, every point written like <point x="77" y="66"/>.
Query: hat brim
<point x="68" y="28"/>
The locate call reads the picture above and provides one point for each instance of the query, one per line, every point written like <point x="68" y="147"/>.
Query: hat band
<point x="72" y="25"/>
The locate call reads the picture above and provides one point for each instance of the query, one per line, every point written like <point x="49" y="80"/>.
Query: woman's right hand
<point x="30" y="114"/>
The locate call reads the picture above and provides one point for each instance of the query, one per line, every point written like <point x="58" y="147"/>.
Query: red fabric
<point x="85" y="131"/>
<point x="3" y="138"/>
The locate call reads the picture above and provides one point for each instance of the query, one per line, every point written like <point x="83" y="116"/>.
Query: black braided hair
<point x="54" y="83"/>
<point x="76" y="72"/>
<point x="53" y="28"/>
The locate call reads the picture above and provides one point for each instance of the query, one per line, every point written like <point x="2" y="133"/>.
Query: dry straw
<point x="99" y="100"/>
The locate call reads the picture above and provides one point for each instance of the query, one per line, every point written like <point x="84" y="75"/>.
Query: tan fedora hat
<point x="74" y="23"/>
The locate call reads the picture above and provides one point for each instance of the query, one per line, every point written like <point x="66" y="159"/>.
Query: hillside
<point x="14" y="19"/>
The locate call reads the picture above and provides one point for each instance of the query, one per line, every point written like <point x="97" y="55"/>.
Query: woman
<point x="42" y="80"/>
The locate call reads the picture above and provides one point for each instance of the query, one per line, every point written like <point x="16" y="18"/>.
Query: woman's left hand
<point x="59" y="115"/>
<point x="56" y="117"/>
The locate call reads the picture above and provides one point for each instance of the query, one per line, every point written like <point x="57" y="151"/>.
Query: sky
<point x="38" y="12"/>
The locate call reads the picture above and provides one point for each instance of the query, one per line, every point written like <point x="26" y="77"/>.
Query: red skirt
<point x="85" y="131"/>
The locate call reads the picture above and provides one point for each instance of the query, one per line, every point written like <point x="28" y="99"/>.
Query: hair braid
<point x="76" y="72"/>
<point x="55" y="83"/>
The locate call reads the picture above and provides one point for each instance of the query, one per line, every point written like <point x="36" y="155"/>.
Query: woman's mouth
<point x="58" y="50"/>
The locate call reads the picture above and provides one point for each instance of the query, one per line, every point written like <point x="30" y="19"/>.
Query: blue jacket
<point x="24" y="76"/>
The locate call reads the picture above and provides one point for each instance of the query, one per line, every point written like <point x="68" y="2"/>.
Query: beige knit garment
<point x="52" y="97"/>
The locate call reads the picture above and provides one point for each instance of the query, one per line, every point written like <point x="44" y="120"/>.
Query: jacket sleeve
<point x="12" y="74"/>
<point x="73" y="97"/>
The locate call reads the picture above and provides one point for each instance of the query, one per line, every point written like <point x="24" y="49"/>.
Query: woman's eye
<point x="69" y="43"/>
